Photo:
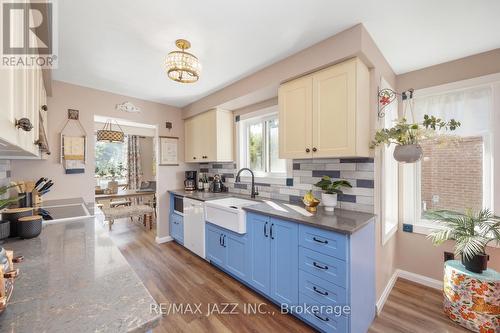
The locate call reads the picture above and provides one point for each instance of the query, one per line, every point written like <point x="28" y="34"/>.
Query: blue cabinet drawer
<point x="328" y="268"/>
<point x="323" y="318"/>
<point x="320" y="290"/>
<point x="324" y="241"/>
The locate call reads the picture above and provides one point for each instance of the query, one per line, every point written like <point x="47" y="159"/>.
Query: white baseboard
<point x="387" y="290"/>
<point x="417" y="278"/>
<point x="420" y="279"/>
<point x="161" y="240"/>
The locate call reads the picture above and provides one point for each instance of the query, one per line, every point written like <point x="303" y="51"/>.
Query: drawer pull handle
<point x="319" y="317"/>
<point x="272" y="225"/>
<point x="220" y="240"/>
<point x="265" y="229"/>
<point x="319" y="266"/>
<point x="324" y="293"/>
<point x="320" y="241"/>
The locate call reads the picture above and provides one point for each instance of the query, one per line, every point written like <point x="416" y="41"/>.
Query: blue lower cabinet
<point x="325" y="318"/>
<point x="214" y="246"/>
<point x="177" y="227"/>
<point x="284" y="261"/>
<point x="328" y="268"/>
<point x="228" y="250"/>
<point x="274" y="257"/>
<point x="258" y="227"/>
<point x="321" y="290"/>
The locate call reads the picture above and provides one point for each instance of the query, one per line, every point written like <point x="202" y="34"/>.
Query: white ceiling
<point x="120" y="45"/>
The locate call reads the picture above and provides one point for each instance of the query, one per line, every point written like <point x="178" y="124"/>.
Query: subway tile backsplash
<point x="305" y="173"/>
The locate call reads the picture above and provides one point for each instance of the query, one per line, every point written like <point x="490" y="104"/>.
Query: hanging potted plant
<point x="407" y="136"/>
<point x="330" y="191"/>
<point x="471" y="231"/>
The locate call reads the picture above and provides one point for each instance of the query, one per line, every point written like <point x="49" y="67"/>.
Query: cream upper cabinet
<point x="326" y="113"/>
<point x="295" y="118"/>
<point x="209" y="137"/>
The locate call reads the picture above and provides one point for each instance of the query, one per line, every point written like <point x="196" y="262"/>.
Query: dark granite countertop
<point x="75" y="279"/>
<point x="341" y="220"/>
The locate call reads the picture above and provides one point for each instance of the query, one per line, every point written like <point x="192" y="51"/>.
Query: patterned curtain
<point x="134" y="170"/>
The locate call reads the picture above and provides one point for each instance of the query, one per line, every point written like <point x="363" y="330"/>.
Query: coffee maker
<point x="190" y="181"/>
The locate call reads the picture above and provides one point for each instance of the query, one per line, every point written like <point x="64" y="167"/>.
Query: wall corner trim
<point x="417" y="278"/>
<point x="161" y="240"/>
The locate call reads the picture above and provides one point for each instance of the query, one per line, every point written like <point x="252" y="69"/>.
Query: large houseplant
<point x="330" y="190"/>
<point x="407" y="136"/>
<point x="471" y="231"/>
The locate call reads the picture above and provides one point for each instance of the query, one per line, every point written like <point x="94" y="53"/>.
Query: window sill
<point x="425" y="228"/>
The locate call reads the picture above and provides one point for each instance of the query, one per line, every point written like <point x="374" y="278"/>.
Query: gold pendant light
<point x="183" y="66"/>
<point x="107" y="134"/>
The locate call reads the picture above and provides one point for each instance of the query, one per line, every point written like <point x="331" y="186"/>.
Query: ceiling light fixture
<point x="107" y="134"/>
<point x="183" y="66"/>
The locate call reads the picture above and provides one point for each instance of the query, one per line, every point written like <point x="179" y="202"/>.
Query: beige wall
<point x="92" y="102"/>
<point x="416" y="253"/>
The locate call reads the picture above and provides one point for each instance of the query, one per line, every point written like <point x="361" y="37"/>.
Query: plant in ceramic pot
<point x="407" y="136"/>
<point x="5" y="225"/>
<point x="471" y="231"/>
<point x="330" y="191"/>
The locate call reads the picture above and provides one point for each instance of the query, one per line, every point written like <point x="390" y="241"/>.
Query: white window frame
<point x="389" y="223"/>
<point x="411" y="173"/>
<point x="242" y="144"/>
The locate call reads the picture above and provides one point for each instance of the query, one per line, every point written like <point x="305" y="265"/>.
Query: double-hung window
<point x="453" y="174"/>
<point x="258" y="146"/>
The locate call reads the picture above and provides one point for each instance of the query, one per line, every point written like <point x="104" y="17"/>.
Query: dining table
<point x="125" y="194"/>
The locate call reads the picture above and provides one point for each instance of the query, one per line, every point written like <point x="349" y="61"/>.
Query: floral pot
<point x="477" y="264"/>
<point x="329" y="201"/>
<point x="408" y="153"/>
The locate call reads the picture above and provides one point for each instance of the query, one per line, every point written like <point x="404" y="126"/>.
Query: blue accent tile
<point x="216" y="166"/>
<point x="296" y="166"/>
<point x="347" y="198"/>
<point x="8" y="173"/>
<point x="289" y="182"/>
<point x="407" y="227"/>
<point x="356" y="160"/>
<point x="330" y="173"/>
<point x="203" y="169"/>
<point x="263" y="184"/>
<point x="242" y="186"/>
<point x="366" y="183"/>
<point x="295" y="199"/>
<point x="228" y="175"/>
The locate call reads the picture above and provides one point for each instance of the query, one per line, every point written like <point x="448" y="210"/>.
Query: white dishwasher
<point x="194" y="226"/>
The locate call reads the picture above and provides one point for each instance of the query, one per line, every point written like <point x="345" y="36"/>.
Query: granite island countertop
<point x="75" y="279"/>
<point x="341" y="220"/>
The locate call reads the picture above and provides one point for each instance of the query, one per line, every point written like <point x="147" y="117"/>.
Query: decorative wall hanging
<point x="183" y="66"/>
<point x="107" y="134"/>
<point x="73" y="144"/>
<point x="386" y="96"/>
<point x="127" y="107"/>
<point x="169" y="150"/>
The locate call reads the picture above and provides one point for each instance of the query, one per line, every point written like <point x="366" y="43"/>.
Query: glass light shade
<point x="183" y="67"/>
<point x="110" y="136"/>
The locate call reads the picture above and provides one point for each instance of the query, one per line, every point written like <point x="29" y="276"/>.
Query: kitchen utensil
<point x="13" y="216"/>
<point x="26" y="200"/>
<point x="40" y="181"/>
<point x="46" y="186"/>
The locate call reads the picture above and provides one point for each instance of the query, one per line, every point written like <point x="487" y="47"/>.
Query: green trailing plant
<point x="332" y="187"/>
<point x="5" y="202"/>
<point x="404" y="133"/>
<point x="471" y="231"/>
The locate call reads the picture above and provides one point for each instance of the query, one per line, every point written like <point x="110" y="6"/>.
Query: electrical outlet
<point x="407" y="227"/>
<point x="435" y="199"/>
<point x="449" y="256"/>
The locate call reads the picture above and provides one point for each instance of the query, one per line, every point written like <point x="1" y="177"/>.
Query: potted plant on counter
<point x="330" y="191"/>
<point x="5" y="225"/>
<point x="406" y="136"/>
<point x="471" y="231"/>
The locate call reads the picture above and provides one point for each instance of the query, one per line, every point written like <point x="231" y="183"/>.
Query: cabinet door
<point x="174" y="226"/>
<point x="215" y="250"/>
<point x="334" y="111"/>
<point x="284" y="261"/>
<point x="295" y="116"/>
<point x="190" y="138"/>
<point x="237" y="255"/>
<point x="260" y="252"/>
<point x="7" y="111"/>
<point x="208" y="136"/>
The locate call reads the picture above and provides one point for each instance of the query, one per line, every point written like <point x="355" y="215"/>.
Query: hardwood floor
<point x="174" y="275"/>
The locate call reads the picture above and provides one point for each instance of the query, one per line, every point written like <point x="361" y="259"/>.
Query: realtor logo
<point x="28" y="34"/>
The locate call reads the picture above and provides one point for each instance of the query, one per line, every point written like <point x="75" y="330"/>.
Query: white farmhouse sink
<point x="228" y="213"/>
